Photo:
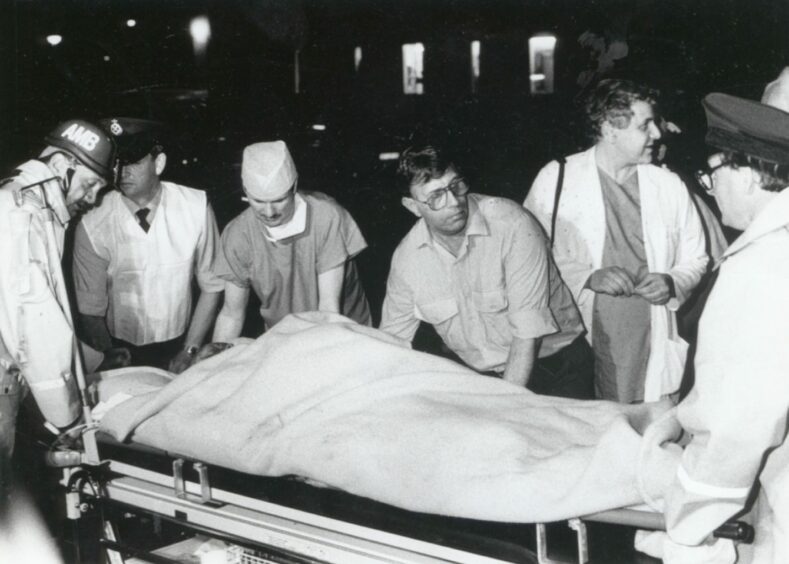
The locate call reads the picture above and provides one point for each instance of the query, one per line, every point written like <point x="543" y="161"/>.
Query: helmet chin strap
<point x="65" y="182"/>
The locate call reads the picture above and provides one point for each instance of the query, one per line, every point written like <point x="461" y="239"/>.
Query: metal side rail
<point x="734" y="530"/>
<point x="266" y="524"/>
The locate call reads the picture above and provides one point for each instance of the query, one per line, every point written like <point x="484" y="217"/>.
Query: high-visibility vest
<point x="150" y="274"/>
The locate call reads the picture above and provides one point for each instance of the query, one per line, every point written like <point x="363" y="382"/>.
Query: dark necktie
<point x="142" y="218"/>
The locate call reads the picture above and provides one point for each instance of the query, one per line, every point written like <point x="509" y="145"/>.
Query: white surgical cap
<point x="267" y="170"/>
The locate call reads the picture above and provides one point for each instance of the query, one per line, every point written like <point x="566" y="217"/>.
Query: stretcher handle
<point x="736" y="531"/>
<point x="733" y="530"/>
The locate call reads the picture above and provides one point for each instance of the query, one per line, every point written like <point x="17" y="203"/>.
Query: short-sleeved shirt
<point x="103" y="257"/>
<point x="502" y="284"/>
<point x="284" y="273"/>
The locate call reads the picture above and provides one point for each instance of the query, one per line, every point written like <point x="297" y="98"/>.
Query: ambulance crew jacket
<point x="142" y="281"/>
<point x="35" y="319"/>
<point x="737" y="411"/>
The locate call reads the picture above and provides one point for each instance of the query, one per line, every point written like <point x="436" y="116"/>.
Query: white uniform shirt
<point x="142" y="281"/>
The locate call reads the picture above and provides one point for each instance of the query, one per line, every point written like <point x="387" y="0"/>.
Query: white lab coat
<point x="35" y="318"/>
<point x="673" y="239"/>
<point x="737" y="411"/>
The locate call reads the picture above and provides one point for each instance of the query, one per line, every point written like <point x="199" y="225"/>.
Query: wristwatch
<point x="191" y="350"/>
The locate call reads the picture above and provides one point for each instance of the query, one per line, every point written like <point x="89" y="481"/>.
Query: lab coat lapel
<point x="591" y="211"/>
<point x="667" y="349"/>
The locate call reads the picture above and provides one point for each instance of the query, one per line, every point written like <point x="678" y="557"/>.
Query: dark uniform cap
<point x="744" y="126"/>
<point x="87" y="142"/>
<point x="134" y="137"/>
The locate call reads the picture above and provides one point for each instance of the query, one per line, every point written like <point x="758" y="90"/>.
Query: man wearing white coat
<point x="37" y="346"/>
<point x="737" y="411"/>
<point x="628" y="243"/>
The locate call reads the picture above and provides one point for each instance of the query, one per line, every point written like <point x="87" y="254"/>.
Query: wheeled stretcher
<point x="346" y="406"/>
<point x="288" y="520"/>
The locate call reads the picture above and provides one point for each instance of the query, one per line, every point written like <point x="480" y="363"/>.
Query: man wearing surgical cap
<point x="293" y="248"/>
<point x="737" y="411"/>
<point x="137" y="255"/>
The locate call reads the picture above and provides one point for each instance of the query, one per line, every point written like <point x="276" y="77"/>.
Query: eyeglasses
<point x="438" y="198"/>
<point x="704" y="177"/>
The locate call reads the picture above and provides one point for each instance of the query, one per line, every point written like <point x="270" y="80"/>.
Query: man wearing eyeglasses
<point x="628" y="242"/>
<point x="479" y="270"/>
<point x="293" y="248"/>
<point x="737" y="411"/>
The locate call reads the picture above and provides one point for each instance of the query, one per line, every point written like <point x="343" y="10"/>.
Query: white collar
<point x="295" y="226"/>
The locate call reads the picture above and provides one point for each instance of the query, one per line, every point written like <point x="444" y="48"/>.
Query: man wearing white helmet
<point x="37" y="345"/>
<point x="293" y="248"/>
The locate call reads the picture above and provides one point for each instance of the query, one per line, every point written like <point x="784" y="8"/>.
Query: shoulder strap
<point x="557" y="195"/>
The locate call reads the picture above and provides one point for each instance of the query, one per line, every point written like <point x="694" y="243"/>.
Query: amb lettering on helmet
<point x="83" y="137"/>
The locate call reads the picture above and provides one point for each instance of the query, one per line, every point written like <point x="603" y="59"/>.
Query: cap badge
<point x="115" y="127"/>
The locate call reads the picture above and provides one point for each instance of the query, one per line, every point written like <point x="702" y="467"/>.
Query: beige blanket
<point x="348" y="406"/>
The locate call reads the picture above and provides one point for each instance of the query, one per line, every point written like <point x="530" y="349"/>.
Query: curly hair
<point x="611" y="101"/>
<point x="774" y="176"/>
<point x="421" y="163"/>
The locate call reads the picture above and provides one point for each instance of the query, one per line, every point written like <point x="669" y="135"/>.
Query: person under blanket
<point x="344" y="405"/>
<point x="479" y="270"/>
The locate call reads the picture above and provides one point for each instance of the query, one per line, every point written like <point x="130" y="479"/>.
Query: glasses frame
<point x="438" y="198"/>
<point x="704" y="176"/>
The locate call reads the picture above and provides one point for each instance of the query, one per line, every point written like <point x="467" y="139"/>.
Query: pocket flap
<point x="438" y="311"/>
<point x="490" y="301"/>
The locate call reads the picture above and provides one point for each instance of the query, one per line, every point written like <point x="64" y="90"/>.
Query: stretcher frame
<point x="319" y="538"/>
<point x="187" y="497"/>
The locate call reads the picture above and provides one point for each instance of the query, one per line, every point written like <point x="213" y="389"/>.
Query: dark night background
<point x="242" y="90"/>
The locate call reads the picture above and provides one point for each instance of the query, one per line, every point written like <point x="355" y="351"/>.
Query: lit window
<point x="200" y="30"/>
<point x="541" y="50"/>
<point x="413" y="65"/>
<point x="357" y="58"/>
<point x="475" y="50"/>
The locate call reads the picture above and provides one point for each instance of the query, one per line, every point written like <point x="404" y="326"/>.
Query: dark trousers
<point x="568" y="373"/>
<point x="157" y="355"/>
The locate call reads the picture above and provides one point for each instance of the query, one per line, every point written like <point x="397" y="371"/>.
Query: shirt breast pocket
<point x="491" y="308"/>
<point x="437" y="312"/>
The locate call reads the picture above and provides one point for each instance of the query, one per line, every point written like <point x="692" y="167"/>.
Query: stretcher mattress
<point x="346" y="406"/>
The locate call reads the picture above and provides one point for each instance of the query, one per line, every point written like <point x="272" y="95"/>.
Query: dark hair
<point x="774" y="176"/>
<point x="422" y="163"/>
<point x="611" y="101"/>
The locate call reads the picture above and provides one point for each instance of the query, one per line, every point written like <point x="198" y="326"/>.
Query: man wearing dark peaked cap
<point x="136" y="256"/>
<point x="737" y="411"/>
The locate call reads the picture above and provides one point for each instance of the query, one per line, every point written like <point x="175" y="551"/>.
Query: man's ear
<point x="410" y="205"/>
<point x="59" y="163"/>
<point x="754" y="179"/>
<point x="160" y="163"/>
<point x="607" y="131"/>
